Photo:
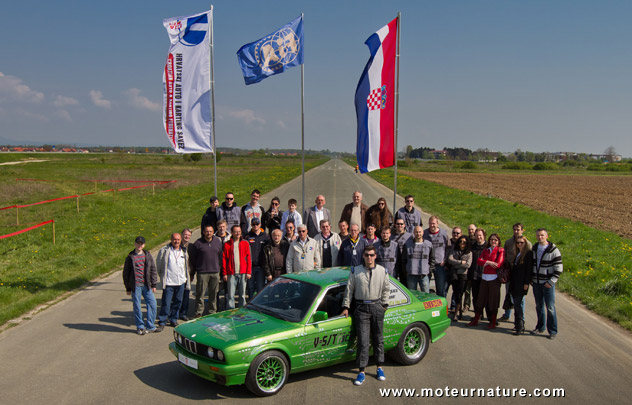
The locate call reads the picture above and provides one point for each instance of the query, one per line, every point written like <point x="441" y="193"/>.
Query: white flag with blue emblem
<point x="187" y="85"/>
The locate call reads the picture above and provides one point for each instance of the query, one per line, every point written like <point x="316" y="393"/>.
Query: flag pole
<point x="212" y="79"/>
<point x="399" y="20"/>
<point x="303" y="128"/>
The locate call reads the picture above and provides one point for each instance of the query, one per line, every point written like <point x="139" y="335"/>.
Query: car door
<point x="329" y="341"/>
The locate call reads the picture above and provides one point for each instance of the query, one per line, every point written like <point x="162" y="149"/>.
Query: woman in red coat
<point x="490" y="260"/>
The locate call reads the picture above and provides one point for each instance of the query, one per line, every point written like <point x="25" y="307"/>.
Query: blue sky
<point x="504" y="75"/>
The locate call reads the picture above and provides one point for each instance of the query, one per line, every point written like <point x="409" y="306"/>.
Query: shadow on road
<point x="122" y="322"/>
<point x="172" y="378"/>
<point x="97" y="327"/>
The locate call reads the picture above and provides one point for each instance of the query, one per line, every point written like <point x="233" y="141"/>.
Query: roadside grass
<point x="96" y="240"/>
<point x="597" y="264"/>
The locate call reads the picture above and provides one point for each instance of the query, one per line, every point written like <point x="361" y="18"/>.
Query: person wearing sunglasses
<point x="369" y="287"/>
<point x="410" y="215"/>
<point x="510" y="256"/>
<point x="229" y="211"/>
<point x="272" y="217"/>
<point x="519" y="279"/>
<point x="303" y="254"/>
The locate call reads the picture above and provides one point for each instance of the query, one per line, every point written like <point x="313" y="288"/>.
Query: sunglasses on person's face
<point x="369" y="254"/>
<point x="229" y="198"/>
<point x="302" y="231"/>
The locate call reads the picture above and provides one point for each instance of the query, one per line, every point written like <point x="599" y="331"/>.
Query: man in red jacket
<point x="237" y="267"/>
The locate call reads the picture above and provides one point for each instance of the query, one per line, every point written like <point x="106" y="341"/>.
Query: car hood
<point x="238" y="325"/>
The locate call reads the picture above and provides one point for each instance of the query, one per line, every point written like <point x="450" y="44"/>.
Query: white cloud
<point x="62" y="114"/>
<point x="29" y="115"/>
<point x="142" y="102"/>
<point x="97" y="99"/>
<point x="281" y="124"/>
<point x="247" y="116"/>
<point x="62" y="101"/>
<point x="12" y="89"/>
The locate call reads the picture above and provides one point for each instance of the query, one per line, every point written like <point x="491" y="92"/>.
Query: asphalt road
<point x="84" y="349"/>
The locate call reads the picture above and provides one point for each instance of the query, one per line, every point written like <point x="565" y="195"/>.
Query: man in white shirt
<point x="315" y="215"/>
<point x="173" y="269"/>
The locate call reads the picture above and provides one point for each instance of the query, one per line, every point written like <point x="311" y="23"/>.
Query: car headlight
<point x="210" y="352"/>
<point x="220" y="355"/>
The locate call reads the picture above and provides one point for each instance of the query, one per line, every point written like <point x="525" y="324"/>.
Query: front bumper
<point x="220" y="373"/>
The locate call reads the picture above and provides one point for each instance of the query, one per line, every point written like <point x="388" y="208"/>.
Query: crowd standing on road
<point x="243" y="248"/>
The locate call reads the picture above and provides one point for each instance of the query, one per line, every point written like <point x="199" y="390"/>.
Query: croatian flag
<point x="375" y="102"/>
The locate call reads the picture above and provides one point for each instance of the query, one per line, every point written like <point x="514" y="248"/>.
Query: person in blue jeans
<point x="140" y="278"/>
<point x="173" y="269"/>
<point x="547" y="268"/>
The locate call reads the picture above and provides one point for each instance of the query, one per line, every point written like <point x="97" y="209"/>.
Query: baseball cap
<point x="140" y="239"/>
<point x="255" y="221"/>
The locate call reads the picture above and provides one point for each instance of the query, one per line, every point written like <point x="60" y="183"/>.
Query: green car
<point x="294" y="324"/>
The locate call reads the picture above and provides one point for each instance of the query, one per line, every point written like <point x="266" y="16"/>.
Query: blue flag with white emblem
<point x="187" y="83"/>
<point x="272" y="54"/>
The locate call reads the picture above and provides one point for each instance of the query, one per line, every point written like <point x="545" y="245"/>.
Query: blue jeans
<point x="184" y="309"/>
<point x="518" y="301"/>
<point x="171" y="302"/>
<point x="150" y="302"/>
<point x="412" y="280"/>
<point x="440" y="280"/>
<point x="235" y="282"/>
<point x="545" y="297"/>
<point x="256" y="282"/>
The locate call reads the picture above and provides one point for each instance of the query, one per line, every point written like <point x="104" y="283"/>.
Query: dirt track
<point x="603" y="202"/>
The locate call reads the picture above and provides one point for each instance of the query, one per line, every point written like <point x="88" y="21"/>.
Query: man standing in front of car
<point x="370" y="287"/>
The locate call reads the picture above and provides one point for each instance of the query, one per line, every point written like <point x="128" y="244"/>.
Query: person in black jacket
<point x="272" y="217"/>
<point x="274" y="255"/>
<point x="519" y="280"/>
<point x="210" y="216"/>
<point x="140" y="278"/>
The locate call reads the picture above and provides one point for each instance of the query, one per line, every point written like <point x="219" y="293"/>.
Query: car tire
<point x="413" y="344"/>
<point x="267" y="373"/>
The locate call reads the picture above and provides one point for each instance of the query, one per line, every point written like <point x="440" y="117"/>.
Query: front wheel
<point x="412" y="345"/>
<point x="267" y="373"/>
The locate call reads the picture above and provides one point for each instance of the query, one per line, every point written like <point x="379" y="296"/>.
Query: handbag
<point x="503" y="272"/>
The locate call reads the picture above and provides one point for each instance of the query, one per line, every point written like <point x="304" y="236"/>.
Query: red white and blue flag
<point x="375" y="102"/>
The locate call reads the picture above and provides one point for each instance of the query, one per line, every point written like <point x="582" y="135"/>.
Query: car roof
<point x="322" y="277"/>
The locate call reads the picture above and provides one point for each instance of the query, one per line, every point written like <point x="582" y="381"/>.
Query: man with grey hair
<point x="173" y="270"/>
<point x="184" y="309"/>
<point x="315" y="215"/>
<point x="355" y="212"/>
<point x="303" y="253"/>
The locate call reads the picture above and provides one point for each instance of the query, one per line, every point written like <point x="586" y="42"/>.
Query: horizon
<point x="535" y="76"/>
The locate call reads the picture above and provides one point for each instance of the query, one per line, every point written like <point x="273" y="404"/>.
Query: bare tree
<point x="610" y="153"/>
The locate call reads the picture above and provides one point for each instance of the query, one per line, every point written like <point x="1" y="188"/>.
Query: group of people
<point x="243" y="248"/>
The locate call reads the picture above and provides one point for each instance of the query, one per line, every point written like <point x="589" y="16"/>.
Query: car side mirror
<point x="320" y="316"/>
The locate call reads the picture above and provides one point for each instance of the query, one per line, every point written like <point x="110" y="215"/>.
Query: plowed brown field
<point x="603" y="202"/>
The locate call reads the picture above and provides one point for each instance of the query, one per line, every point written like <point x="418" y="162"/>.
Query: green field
<point x="569" y="167"/>
<point x="597" y="264"/>
<point x="95" y="240"/>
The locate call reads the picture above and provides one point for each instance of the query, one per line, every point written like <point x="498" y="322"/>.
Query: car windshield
<point x="286" y="299"/>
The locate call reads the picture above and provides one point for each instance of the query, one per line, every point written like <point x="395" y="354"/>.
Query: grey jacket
<point x="363" y="286"/>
